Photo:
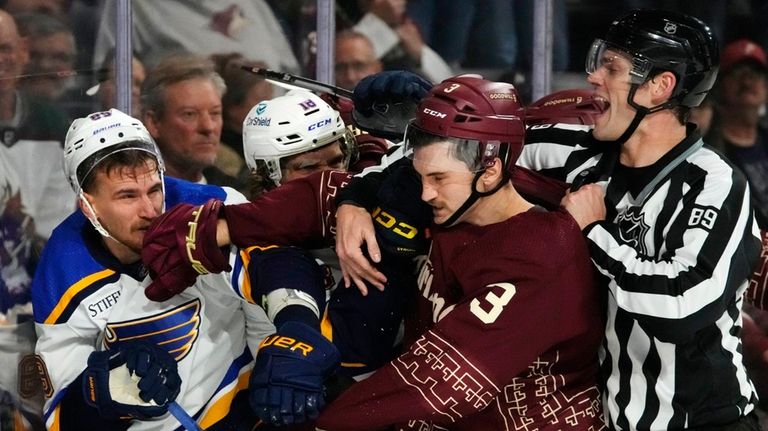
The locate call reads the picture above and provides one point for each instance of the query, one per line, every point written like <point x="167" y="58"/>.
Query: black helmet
<point x="661" y="40"/>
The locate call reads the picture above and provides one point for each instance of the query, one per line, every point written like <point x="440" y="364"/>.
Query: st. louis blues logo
<point x="632" y="229"/>
<point x="174" y="330"/>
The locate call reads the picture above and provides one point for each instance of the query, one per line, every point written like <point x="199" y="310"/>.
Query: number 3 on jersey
<point x="496" y="302"/>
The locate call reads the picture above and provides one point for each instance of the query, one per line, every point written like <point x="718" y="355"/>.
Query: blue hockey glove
<point x="158" y="381"/>
<point x="386" y="102"/>
<point x="286" y="385"/>
<point x="391" y="85"/>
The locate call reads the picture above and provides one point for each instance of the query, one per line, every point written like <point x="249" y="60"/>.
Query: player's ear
<point x="492" y="174"/>
<point x="85" y="206"/>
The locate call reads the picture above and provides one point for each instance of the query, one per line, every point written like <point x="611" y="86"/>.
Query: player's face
<point x="126" y="200"/>
<point x="321" y="159"/>
<point x="446" y="181"/>
<point x="611" y="84"/>
<point x="189" y="130"/>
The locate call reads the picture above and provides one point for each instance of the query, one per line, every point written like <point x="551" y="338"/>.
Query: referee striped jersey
<point x="674" y="254"/>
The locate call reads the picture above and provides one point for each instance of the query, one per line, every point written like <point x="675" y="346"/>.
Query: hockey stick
<point x="123" y="387"/>
<point x="183" y="417"/>
<point x="282" y="78"/>
<point x="388" y="120"/>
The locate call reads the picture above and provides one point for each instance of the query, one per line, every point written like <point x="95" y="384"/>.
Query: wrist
<point x="222" y="233"/>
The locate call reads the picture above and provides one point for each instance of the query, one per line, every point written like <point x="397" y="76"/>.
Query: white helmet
<point x="95" y="134"/>
<point x="294" y="123"/>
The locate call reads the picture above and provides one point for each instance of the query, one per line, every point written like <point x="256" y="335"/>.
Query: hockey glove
<point x="136" y="381"/>
<point x="386" y="102"/>
<point x="179" y="246"/>
<point x="286" y="385"/>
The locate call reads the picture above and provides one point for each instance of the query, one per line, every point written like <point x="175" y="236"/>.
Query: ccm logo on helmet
<point x="319" y="124"/>
<point x="434" y="113"/>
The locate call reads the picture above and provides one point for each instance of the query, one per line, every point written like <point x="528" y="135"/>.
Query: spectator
<point x="52" y="55"/>
<point x="33" y="131"/>
<point x="742" y="92"/>
<point x="244" y="91"/>
<point x="181" y="100"/>
<point x="106" y="88"/>
<point x="174" y="27"/>
<point x="397" y="42"/>
<point x="355" y="59"/>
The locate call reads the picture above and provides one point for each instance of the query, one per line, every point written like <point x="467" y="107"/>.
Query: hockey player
<point x="95" y="318"/>
<point x="285" y="140"/>
<point x="486" y="271"/>
<point x="670" y="229"/>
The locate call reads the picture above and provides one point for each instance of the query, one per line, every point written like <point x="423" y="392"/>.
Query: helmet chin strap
<point x="640" y="113"/>
<point x="473" y="197"/>
<point x="93" y="219"/>
<point x="97" y="224"/>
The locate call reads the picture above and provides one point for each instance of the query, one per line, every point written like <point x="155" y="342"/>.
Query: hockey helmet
<point x="91" y="139"/>
<point x="657" y="41"/>
<point x="294" y="123"/>
<point x="573" y="106"/>
<point x="472" y="109"/>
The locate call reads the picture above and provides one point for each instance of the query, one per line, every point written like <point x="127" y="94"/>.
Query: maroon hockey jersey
<point x="513" y="326"/>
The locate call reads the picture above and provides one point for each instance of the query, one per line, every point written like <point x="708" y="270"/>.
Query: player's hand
<point x="286" y="384"/>
<point x="586" y="205"/>
<point x="387" y="87"/>
<point x="137" y="380"/>
<point x="353" y="228"/>
<point x="757" y="291"/>
<point x="179" y="246"/>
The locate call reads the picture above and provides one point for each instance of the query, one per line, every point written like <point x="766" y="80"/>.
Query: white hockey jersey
<point x="84" y="300"/>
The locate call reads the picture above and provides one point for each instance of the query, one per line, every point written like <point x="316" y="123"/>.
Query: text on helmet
<point x="258" y="121"/>
<point x="576" y="99"/>
<point x="434" y="113"/>
<point x="319" y="124"/>
<point x="509" y="96"/>
<point x="101" y="129"/>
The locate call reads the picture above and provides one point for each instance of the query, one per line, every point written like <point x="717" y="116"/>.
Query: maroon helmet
<point x="575" y="106"/>
<point x="471" y="108"/>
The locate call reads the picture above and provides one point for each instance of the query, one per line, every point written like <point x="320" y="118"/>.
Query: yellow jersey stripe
<point x="72" y="291"/>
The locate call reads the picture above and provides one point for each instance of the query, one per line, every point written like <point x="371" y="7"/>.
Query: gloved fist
<point x="757" y="291"/>
<point x="286" y="385"/>
<point x="386" y="102"/>
<point x="179" y="246"/>
<point x="143" y="391"/>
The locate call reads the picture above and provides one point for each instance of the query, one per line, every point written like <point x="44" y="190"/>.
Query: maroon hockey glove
<point x="179" y="246"/>
<point x="757" y="292"/>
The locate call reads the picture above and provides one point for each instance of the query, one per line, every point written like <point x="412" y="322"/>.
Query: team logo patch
<point x="33" y="377"/>
<point x="633" y="229"/>
<point x="670" y="28"/>
<point x="174" y="330"/>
